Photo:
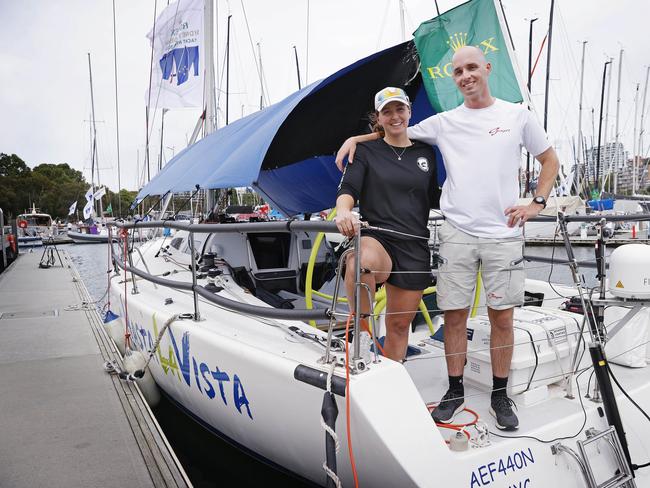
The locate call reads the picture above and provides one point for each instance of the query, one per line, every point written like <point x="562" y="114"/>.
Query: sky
<point x="45" y="108"/>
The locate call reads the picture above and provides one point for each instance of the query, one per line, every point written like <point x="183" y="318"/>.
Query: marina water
<point x="210" y="461"/>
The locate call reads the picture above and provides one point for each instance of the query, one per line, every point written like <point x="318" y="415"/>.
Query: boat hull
<point x="236" y="374"/>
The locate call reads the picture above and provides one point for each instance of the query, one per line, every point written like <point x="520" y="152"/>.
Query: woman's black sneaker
<point x="501" y="410"/>
<point x="451" y="404"/>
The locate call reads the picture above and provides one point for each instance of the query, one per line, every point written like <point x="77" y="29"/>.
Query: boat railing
<point x="277" y="226"/>
<point x="199" y="290"/>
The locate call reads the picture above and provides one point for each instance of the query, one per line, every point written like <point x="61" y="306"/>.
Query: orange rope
<point x="347" y="401"/>
<point x="457" y="427"/>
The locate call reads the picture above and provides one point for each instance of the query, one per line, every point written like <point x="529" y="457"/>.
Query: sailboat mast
<point x="641" y="129"/>
<point x="528" y="85"/>
<point x="634" y="141"/>
<point x="548" y="64"/>
<point x="117" y="119"/>
<point x="95" y="160"/>
<point x="401" y="19"/>
<point x="259" y="57"/>
<point x="209" y="116"/>
<point x="227" y="65"/>
<point x="295" y="52"/>
<point x="580" y="170"/>
<point x="618" y="110"/>
<point x="597" y="179"/>
<point x="605" y="131"/>
<point x="210" y="98"/>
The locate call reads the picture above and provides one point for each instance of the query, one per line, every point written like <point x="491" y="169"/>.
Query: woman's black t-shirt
<point x="393" y="193"/>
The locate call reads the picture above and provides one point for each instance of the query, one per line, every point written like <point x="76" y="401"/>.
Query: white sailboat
<point x="223" y="312"/>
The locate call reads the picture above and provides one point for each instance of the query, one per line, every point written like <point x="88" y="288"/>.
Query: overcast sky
<point x="45" y="92"/>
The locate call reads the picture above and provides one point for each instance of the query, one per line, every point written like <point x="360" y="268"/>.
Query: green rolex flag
<point x="473" y="23"/>
<point x="109" y="209"/>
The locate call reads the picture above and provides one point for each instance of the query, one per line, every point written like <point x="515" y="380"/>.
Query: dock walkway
<point x="64" y="422"/>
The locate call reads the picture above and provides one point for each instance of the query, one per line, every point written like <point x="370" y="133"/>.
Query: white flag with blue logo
<point x="72" y="208"/>
<point x="88" y="209"/>
<point x="178" y="58"/>
<point x="89" y="194"/>
<point x="99" y="193"/>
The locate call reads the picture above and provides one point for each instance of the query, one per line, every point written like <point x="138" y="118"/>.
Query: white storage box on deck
<point x="545" y="342"/>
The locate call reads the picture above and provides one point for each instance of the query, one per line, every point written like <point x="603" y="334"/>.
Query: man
<point x="481" y="144"/>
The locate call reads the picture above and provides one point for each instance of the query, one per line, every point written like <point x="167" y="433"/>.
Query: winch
<point x="629" y="271"/>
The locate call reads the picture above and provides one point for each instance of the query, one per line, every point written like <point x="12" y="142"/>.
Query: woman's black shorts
<point x="406" y="255"/>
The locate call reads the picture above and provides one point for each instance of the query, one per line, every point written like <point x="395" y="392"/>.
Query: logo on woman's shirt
<point x="423" y="164"/>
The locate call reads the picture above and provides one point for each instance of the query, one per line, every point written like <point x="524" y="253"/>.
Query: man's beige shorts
<point x="501" y="264"/>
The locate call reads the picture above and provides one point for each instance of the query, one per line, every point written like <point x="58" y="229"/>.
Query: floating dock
<point x="64" y="420"/>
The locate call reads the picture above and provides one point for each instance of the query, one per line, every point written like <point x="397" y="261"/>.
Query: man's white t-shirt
<point x="481" y="149"/>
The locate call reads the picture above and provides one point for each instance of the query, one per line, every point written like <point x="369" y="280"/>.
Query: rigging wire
<point x="155" y="6"/>
<point x="257" y="66"/>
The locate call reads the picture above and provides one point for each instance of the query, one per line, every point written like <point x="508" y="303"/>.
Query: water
<point x="210" y="461"/>
<point x="207" y="460"/>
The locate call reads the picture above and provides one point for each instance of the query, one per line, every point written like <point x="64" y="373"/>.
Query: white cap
<point x="390" y="94"/>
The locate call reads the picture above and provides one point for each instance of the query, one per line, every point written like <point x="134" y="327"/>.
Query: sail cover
<point x="286" y="151"/>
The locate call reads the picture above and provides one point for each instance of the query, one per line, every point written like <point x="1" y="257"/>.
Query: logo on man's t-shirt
<point x="497" y="130"/>
<point x="423" y="164"/>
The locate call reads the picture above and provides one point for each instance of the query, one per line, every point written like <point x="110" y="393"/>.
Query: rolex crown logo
<point x="457" y="40"/>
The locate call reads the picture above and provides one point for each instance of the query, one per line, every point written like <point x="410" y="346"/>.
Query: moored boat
<point x="33" y="228"/>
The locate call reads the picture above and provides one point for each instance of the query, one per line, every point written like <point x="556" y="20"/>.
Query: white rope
<point x="169" y="322"/>
<point x="331" y="474"/>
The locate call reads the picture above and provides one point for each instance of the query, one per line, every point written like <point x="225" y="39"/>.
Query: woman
<point x="394" y="182"/>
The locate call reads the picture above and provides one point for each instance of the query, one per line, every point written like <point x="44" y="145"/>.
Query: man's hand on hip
<point x="519" y="214"/>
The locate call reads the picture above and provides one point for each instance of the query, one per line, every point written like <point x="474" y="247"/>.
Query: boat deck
<point x="64" y="421"/>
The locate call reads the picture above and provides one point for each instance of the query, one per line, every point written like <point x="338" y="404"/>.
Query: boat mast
<point x="401" y="18"/>
<point x="641" y="129"/>
<point x="95" y="161"/>
<point x="530" y="77"/>
<point x="209" y="115"/>
<point x="117" y="119"/>
<point x="597" y="181"/>
<point x="618" y="110"/>
<point x="208" y="41"/>
<point x="227" y="65"/>
<point x="580" y="170"/>
<point x="259" y="57"/>
<point x="634" y="141"/>
<point x="609" y="90"/>
<point x="548" y="64"/>
<point x="295" y="52"/>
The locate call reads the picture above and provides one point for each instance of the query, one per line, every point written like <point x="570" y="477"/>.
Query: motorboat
<point x="33" y="228"/>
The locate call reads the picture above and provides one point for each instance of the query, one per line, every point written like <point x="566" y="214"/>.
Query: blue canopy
<point x="286" y="151"/>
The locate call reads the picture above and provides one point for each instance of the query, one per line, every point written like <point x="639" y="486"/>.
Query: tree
<point x="12" y="166"/>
